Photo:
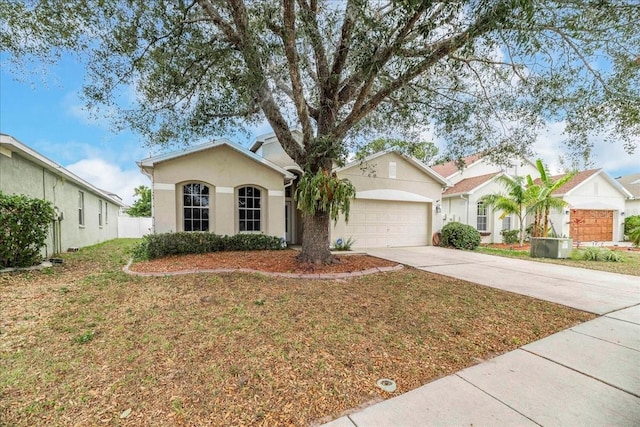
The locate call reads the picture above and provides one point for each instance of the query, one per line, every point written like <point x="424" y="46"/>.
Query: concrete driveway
<point x="589" y="290"/>
<point x="588" y="375"/>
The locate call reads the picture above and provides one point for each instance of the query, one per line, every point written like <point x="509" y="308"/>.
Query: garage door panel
<point x="375" y="223"/>
<point x="591" y="225"/>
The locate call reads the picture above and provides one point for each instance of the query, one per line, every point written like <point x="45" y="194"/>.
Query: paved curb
<point x="327" y="276"/>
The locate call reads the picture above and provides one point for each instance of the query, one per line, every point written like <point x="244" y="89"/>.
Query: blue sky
<point x="45" y="112"/>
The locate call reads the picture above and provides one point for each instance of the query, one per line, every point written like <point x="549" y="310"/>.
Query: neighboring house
<point x="631" y="183"/>
<point x="596" y="207"/>
<point x="85" y="214"/>
<point x="226" y="189"/>
<point x="477" y="178"/>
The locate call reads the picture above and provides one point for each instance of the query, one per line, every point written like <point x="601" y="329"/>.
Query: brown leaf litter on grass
<point x="83" y="343"/>
<point x="268" y="261"/>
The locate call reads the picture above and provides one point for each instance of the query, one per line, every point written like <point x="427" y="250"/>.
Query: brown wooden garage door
<point x="589" y="225"/>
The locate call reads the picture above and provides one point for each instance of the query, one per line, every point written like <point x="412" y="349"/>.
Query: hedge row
<point x="165" y="244"/>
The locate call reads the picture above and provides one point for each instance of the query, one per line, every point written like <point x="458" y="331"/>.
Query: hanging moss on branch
<point x="324" y="192"/>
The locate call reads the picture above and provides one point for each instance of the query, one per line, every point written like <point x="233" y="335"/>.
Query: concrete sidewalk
<point x="586" y="375"/>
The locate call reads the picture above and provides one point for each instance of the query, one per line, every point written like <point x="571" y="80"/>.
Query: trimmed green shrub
<point x="600" y="254"/>
<point x="510" y="237"/>
<point x="630" y="223"/>
<point x="165" y="244"/>
<point x="460" y="236"/>
<point x="24" y="224"/>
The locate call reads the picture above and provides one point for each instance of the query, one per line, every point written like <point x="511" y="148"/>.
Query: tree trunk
<point x="315" y="239"/>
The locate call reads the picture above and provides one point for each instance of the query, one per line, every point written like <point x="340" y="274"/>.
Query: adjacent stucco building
<point x="595" y="207"/>
<point x="85" y="214"/>
<point x="472" y="180"/>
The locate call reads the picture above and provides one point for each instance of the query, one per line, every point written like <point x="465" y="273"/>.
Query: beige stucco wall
<point x="18" y="175"/>
<point x="410" y="184"/>
<point x="273" y="151"/>
<point x="223" y="170"/>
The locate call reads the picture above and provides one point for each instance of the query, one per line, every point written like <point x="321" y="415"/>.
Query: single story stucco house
<point x="225" y="188"/>
<point x="85" y="215"/>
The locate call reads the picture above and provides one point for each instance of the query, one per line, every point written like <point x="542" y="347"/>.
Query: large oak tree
<point x="485" y="74"/>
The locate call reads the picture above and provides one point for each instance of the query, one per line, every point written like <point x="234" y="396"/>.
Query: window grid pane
<point x="195" y="201"/>
<point x="249" y="204"/>
<point x="481" y="223"/>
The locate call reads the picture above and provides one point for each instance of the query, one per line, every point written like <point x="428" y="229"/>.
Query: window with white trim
<point x="249" y="209"/>
<point x="506" y="223"/>
<point x="80" y="208"/>
<point x="481" y="224"/>
<point x="99" y="213"/>
<point x="195" y="207"/>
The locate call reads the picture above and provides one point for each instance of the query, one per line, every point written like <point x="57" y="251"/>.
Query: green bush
<point x="601" y="254"/>
<point x="634" y="236"/>
<point x="24" y="224"/>
<point x="630" y="223"/>
<point x="510" y="237"/>
<point x="343" y="245"/>
<point x="165" y="244"/>
<point x="460" y="236"/>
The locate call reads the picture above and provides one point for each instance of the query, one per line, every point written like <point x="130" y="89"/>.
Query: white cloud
<point x="611" y="157"/>
<point x="110" y="177"/>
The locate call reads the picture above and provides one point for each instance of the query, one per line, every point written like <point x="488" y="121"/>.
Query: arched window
<point x="249" y="205"/>
<point x="195" y="202"/>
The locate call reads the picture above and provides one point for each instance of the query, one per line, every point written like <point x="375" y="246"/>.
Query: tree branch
<point x="297" y="92"/>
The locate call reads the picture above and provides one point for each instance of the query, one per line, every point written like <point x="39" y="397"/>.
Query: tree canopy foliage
<point x="485" y="74"/>
<point x="142" y="205"/>
<point x="425" y="151"/>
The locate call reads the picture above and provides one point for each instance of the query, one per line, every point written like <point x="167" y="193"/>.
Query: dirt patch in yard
<point x="269" y="261"/>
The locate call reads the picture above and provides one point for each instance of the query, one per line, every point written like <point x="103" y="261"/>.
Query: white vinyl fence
<point x="133" y="227"/>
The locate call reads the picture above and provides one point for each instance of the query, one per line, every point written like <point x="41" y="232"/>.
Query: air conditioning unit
<point x="548" y="247"/>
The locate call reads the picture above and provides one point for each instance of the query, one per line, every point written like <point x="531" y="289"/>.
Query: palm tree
<point x="542" y="200"/>
<point x="515" y="202"/>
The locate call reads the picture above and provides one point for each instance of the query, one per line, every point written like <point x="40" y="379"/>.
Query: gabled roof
<point x="150" y="162"/>
<point x="417" y="163"/>
<point x="470" y="185"/>
<point x="583" y="176"/>
<point x="10" y="143"/>
<point x="631" y="183"/>
<point x="450" y="168"/>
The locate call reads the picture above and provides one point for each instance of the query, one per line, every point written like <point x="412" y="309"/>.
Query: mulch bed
<point x="267" y="261"/>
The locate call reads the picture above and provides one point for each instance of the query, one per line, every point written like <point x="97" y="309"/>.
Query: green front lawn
<point x="85" y="344"/>
<point x="629" y="264"/>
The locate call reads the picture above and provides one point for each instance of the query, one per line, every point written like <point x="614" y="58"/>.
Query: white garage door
<point x="377" y="223"/>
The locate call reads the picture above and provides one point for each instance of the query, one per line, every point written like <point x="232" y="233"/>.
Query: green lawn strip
<point x="238" y="349"/>
<point x="629" y="264"/>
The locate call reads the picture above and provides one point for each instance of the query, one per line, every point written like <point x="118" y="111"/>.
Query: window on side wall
<point x="195" y="202"/>
<point x="506" y="223"/>
<point x="481" y="217"/>
<point x="100" y="213"/>
<point x="80" y="208"/>
<point x="249" y="209"/>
